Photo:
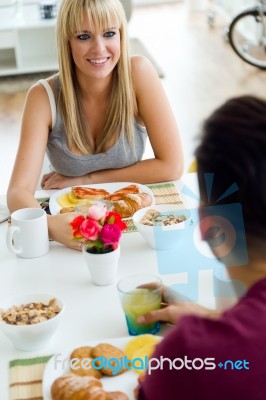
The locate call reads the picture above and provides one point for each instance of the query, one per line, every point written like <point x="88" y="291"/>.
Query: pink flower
<point x="110" y="233"/>
<point x="115" y="246"/>
<point x="90" y="229"/>
<point x="99" y="230"/>
<point x="97" y="212"/>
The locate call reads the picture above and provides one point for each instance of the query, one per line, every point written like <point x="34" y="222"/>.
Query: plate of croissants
<point x="125" y="197"/>
<point x="72" y="374"/>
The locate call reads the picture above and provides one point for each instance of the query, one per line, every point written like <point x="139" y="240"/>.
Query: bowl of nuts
<point x="30" y="320"/>
<point x="162" y="225"/>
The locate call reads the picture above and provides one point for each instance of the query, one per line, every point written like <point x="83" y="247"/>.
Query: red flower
<point x="114" y="218"/>
<point x="76" y="223"/>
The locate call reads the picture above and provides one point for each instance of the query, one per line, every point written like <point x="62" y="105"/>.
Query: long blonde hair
<point x="122" y="104"/>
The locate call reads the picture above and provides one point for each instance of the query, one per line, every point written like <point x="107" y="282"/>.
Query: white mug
<point x="27" y="236"/>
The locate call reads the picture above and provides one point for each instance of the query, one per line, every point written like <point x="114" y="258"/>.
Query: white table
<point x="91" y="312"/>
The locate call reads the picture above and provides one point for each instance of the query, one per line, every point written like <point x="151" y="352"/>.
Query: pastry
<point x="116" y="396"/>
<point x="126" y="201"/>
<point x="120" y="193"/>
<point x="83" y="368"/>
<point x="74" y="387"/>
<point x="108" y="351"/>
<point x="67" y="210"/>
<point x="89" y="193"/>
<point x="130" y="203"/>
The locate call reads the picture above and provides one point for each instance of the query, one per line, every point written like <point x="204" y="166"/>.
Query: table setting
<point x="92" y="312"/>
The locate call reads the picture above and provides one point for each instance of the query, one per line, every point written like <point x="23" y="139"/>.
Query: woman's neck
<point x="94" y="89"/>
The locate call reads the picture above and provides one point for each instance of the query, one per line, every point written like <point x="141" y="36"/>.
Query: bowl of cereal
<point x="30" y="320"/>
<point x="162" y="225"/>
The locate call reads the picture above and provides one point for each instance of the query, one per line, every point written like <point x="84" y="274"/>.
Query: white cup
<point x="28" y="235"/>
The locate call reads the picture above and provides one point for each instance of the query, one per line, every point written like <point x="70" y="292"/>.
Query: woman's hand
<point x="54" y="180"/>
<point x="174" y="307"/>
<point x="60" y="230"/>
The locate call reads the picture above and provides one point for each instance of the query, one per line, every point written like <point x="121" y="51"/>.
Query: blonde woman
<point x="94" y="116"/>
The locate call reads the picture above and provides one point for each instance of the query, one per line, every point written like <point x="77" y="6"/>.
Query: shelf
<point x="7" y="60"/>
<point x="7" y="39"/>
<point x="27" y="42"/>
<point x="42" y="63"/>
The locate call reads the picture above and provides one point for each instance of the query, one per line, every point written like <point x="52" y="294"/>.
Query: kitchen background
<point x="200" y="69"/>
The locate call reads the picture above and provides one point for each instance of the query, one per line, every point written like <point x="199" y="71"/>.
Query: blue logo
<point x="231" y="365"/>
<point x="223" y="231"/>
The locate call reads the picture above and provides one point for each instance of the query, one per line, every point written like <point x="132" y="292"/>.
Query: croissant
<point x="116" y="396"/>
<point x="75" y="387"/>
<point x="119" y="194"/>
<point x="81" y="192"/>
<point x="130" y="203"/>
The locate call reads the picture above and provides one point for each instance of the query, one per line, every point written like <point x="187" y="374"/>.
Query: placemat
<point x="164" y="193"/>
<point x="25" y="378"/>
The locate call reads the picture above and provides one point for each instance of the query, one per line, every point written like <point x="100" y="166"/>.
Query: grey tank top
<point x="64" y="162"/>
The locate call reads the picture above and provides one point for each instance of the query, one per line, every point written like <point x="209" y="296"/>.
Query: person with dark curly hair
<point x="221" y="355"/>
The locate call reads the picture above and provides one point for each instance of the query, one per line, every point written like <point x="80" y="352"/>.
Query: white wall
<point x="146" y="2"/>
<point x="231" y="7"/>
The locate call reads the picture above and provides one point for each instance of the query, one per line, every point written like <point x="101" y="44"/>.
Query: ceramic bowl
<point x="162" y="237"/>
<point x="35" y="336"/>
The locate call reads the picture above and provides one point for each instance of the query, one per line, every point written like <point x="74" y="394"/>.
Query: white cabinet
<point x="27" y="42"/>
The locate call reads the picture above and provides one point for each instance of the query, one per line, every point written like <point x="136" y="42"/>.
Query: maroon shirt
<point x="238" y="336"/>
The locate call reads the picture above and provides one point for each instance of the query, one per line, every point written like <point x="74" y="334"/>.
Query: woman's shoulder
<point x="144" y="74"/>
<point x="41" y="84"/>
<point x="42" y="96"/>
<point x="140" y="64"/>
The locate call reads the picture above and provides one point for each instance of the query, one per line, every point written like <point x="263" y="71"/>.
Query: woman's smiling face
<point x="95" y="54"/>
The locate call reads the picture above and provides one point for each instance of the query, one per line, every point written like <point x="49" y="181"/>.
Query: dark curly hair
<point x="233" y="147"/>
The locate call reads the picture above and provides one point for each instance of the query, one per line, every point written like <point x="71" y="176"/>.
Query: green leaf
<point x="111" y="220"/>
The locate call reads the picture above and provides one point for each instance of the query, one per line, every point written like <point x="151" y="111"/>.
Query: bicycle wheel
<point x="247" y="36"/>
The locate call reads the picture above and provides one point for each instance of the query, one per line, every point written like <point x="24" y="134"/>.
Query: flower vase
<point x="102" y="267"/>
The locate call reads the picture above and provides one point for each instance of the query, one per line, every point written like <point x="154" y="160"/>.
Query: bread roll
<point x="109" y="352"/>
<point x="65" y="210"/>
<point x="79" y="354"/>
<point x="89" y="193"/>
<point x="74" y="387"/>
<point x="116" y="396"/>
<point x="119" y="194"/>
<point x="130" y="203"/>
<point x="126" y="201"/>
